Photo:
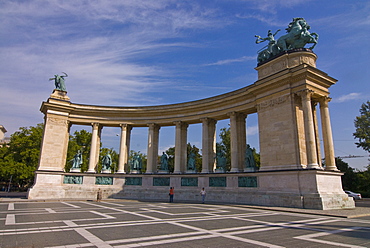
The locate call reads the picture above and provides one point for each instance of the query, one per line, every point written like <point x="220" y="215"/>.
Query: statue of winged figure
<point x="59" y="82"/>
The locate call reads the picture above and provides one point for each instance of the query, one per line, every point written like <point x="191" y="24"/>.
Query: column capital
<point x="208" y="120"/>
<point x="96" y="125"/>
<point x="237" y="114"/>
<point x="125" y="126"/>
<point x="180" y="124"/>
<point x="305" y="93"/>
<point x="324" y="100"/>
<point x="153" y="125"/>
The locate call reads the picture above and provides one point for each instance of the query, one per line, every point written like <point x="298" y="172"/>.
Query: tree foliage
<point x="364" y="182"/>
<point x="362" y="124"/>
<point x="114" y="155"/>
<point x="225" y="147"/>
<point x="350" y="178"/>
<point x="171" y="157"/>
<point x="19" y="159"/>
<point x="80" y="140"/>
<point x="198" y="156"/>
<point x="354" y="180"/>
<point x="143" y="157"/>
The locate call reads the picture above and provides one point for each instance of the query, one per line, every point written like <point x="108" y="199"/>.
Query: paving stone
<point x="155" y="224"/>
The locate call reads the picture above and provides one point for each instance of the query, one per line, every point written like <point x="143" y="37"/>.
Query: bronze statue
<point x="59" y="82"/>
<point x="297" y="37"/>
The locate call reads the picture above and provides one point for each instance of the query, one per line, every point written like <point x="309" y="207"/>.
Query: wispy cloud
<point x="102" y="45"/>
<point x="229" y="61"/>
<point x="348" y="97"/>
<point x="252" y="130"/>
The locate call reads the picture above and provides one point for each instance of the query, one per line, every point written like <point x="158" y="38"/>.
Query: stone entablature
<point x="244" y="100"/>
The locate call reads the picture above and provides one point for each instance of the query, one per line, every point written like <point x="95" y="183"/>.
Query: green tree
<point x="171" y="158"/>
<point x="19" y="159"/>
<point x="257" y="157"/>
<point x="198" y="157"/>
<point x="80" y="140"/>
<point x="363" y="186"/>
<point x="114" y="155"/>
<point x="362" y="124"/>
<point x="350" y="178"/>
<point x="225" y="147"/>
<point x="143" y="159"/>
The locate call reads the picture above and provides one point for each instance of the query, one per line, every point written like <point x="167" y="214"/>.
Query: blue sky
<point x="136" y="53"/>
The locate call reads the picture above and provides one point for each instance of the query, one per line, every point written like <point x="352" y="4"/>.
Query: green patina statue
<point x="106" y="162"/>
<point x="136" y="162"/>
<point x="59" y="82"/>
<point x="77" y="160"/>
<point x="297" y="37"/>
<point x="164" y="161"/>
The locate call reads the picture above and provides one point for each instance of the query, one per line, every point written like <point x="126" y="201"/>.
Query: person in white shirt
<point x="203" y="194"/>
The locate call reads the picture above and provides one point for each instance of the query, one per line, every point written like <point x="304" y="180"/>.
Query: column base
<point x="314" y="166"/>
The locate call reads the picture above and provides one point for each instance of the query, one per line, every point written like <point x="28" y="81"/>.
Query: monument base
<point x="75" y="170"/>
<point x="60" y="95"/>
<point x="313" y="189"/>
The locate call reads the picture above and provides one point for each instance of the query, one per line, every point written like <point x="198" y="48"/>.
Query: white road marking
<point x="10" y="219"/>
<point x="50" y="210"/>
<point x="71" y="205"/>
<point x="11" y="206"/>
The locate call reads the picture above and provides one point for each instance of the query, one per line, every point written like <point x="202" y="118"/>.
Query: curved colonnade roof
<point x="281" y="81"/>
<point x="217" y="108"/>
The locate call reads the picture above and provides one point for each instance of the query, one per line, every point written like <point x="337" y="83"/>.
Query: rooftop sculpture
<point x="59" y="82"/>
<point x="297" y="37"/>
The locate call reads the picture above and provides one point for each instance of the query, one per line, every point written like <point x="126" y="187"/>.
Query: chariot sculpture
<point x="296" y="38"/>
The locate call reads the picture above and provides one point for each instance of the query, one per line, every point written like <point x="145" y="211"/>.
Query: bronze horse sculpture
<point x="297" y="37"/>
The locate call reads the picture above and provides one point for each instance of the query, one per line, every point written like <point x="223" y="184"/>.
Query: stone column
<point x="98" y="145"/>
<point x="327" y="134"/>
<point x="243" y="140"/>
<point x="124" y="147"/>
<point x="317" y="134"/>
<point x="181" y="147"/>
<point x="94" y="151"/>
<point x="153" y="138"/>
<point x="208" y="144"/>
<point x="237" y="141"/>
<point x="309" y="129"/>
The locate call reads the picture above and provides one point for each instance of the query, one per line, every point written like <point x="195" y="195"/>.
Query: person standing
<point x="203" y="194"/>
<point x="172" y="192"/>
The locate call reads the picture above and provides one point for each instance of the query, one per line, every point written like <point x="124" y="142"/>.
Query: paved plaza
<point x="158" y="224"/>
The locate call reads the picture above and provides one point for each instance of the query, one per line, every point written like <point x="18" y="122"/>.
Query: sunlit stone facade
<point x="285" y="98"/>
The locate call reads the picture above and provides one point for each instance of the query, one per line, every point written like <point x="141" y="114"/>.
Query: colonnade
<point x="311" y="127"/>
<point x="289" y="98"/>
<point x="238" y="140"/>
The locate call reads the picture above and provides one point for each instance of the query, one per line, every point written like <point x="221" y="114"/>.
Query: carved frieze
<point x="272" y="102"/>
<point x="57" y="121"/>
